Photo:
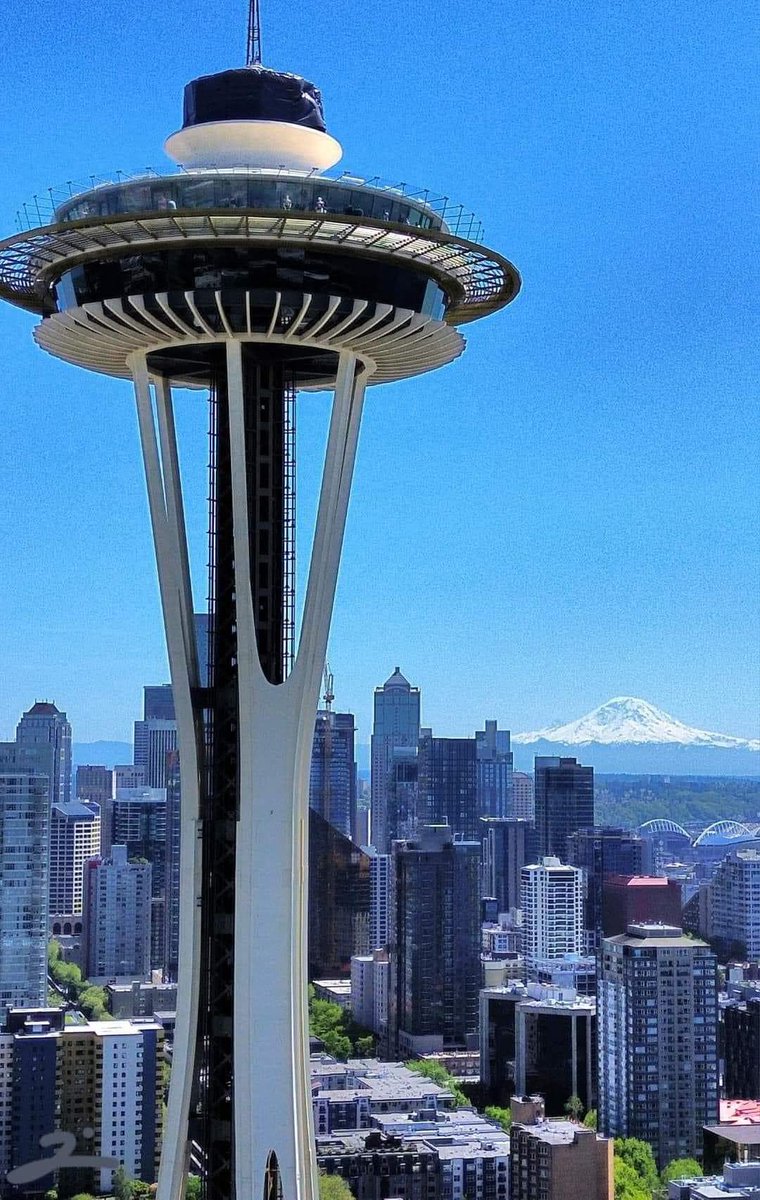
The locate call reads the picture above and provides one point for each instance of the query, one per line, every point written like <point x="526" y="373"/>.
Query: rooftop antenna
<point x="254" y="35"/>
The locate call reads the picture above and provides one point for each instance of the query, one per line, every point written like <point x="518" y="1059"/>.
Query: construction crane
<point x="253" y="57"/>
<point x="327" y="680"/>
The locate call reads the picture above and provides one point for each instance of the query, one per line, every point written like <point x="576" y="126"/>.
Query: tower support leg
<point x="159" y="447"/>
<point x="273" y="1129"/>
<point x="273" y="1113"/>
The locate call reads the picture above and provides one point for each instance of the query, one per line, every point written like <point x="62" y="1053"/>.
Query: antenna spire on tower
<point x="253" y="58"/>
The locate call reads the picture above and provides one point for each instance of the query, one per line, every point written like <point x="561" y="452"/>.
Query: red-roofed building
<point x="632" y="899"/>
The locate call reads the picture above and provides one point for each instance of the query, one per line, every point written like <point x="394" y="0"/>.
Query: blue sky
<point x="566" y="514"/>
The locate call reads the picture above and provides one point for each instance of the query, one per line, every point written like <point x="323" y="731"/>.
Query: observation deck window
<point x="211" y="191"/>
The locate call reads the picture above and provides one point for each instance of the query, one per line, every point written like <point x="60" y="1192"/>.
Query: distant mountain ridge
<point x="101" y="754"/>
<point x="628" y="735"/>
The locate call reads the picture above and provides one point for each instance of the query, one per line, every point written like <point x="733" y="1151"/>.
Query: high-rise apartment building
<point x="552" y="904"/>
<point x="74" y="837"/>
<point x="601" y="852"/>
<point x="396" y="727"/>
<point x="402" y="794"/>
<point x="172" y="871"/>
<point x="448" y="784"/>
<point x="523" y="798"/>
<point x="44" y="724"/>
<point x="24" y="880"/>
<point x="102" y="1081"/>
<point x="435" y="949"/>
<point x="127" y="775"/>
<point x="381" y="899"/>
<point x="733" y="905"/>
<point x="339" y="900"/>
<point x="117" y="916"/>
<point x="639" y="899"/>
<point x="564" y="801"/>
<point x="494" y="770"/>
<point x="658" y="1060"/>
<point x="154" y="740"/>
<point x="507" y="848"/>
<point x="556" y="1160"/>
<point x="96" y="784"/>
<point x="741" y="1048"/>
<point x="332" y="778"/>
<point x="140" y="824"/>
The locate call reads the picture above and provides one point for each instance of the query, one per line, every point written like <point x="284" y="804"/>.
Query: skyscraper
<point x="552" y="904"/>
<point x="44" y="724"/>
<point x="74" y="837"/>
<point x="435" y="947"/>
<point x="154" y="740"/>
<point x="564" y="799"/>
<point x="158" y="702"/>
<point x="339" y="900"/>
<point x="96" y="783"/>
<point x="658" y="1059"/>
<point x="493" y="757"/>
<point x="381" y="899"/>
<point x="251" y="274"/>
<point x="332" y="778"/>
<point x="24" y="845"/>
<point x="102" y="1081"/>
<point x="395" y="732"/>
<point x="140" y="824"/>
<point x="733" y="905"/>
<point x="117" y="912"/>
<point x="523" y="800"/>
<point x="602" y="852"/>
<point x="448" y="784"/>
<point x="507" y="848"/>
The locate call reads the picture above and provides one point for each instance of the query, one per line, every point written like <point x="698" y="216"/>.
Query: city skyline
<point x="635" y="549"/>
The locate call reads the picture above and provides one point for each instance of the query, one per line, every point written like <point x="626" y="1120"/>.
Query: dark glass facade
<point x="741" y="1048"/>
<point x="339" y="900"/>
<point x="332" y="779"/>
<point x="448" y="785"/>
<point x="508" y="846"/>
<point x="600" y="853"/>
<point x="564" y="793"/>
<point x="436" y="937"/>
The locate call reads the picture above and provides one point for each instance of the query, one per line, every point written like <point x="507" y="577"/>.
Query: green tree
<point x="639" y="1157"/>
<point x="502" y="1116"/>
<point x="365" y="1046"/>
<point x="574" y="1106"/>
<point x="193" y="1189"/>
<point x="628" y="1185"/>
<point x="51" y="1194"/>
<point x="122" y="1185"/>
<point x="681" y="1168"/>
<point x="92" y="1001"/>
<point x="334" y="1187"/>
<point x="439" y="1075"/>
<point x="590" y="1120"/>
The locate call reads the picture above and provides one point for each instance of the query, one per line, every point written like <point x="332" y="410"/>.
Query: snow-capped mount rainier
<point x="630" y="735"/>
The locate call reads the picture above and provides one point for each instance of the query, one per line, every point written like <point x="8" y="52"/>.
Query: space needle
<point x="251" y="275"/>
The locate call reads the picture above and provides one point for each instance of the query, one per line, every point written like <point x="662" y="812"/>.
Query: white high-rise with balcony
<point x="551" y="896"/>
